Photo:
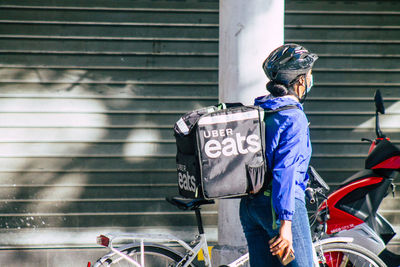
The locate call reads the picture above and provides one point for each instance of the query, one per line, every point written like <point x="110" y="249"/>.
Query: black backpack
<point x="220" y="151"/>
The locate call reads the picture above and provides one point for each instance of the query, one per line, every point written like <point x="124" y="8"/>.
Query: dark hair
<point x="279" y="89"/>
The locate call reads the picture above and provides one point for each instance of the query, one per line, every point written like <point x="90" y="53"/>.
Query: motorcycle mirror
<point x="316" y="178"/>
<point x="379" y="102"/>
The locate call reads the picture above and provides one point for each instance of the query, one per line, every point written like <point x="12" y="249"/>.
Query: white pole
<point x="249" y="31"/>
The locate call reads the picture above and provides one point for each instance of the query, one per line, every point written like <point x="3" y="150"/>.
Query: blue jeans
<point x="256" y="219"/>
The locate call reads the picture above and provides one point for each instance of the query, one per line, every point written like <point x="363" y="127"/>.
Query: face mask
<point x="308" y="89"/>
<point x="311" y="84"/>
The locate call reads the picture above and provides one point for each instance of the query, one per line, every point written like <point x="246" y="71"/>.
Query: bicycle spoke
<point x="341" y="256"/>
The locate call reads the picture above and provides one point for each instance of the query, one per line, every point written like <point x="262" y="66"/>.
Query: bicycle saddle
<point x="188" y="203"/>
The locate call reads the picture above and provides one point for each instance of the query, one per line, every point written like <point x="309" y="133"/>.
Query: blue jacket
<point x="288" y="152"/>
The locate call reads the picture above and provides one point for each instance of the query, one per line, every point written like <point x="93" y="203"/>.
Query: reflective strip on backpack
<point x="224" y="118"/>
<point x="182" y="126"/>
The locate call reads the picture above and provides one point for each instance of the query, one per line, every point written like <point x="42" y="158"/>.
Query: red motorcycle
<point x="351" y="210"/>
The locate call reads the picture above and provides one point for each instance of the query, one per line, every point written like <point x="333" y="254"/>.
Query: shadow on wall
<point x="390" y="121"/>
<point x="84" y="153"/>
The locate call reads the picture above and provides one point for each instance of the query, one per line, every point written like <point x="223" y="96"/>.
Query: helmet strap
<point x="293" y="93"/>
<point x="303" y="98"/>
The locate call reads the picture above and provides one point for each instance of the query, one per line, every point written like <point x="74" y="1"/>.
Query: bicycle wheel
<point x="347" y="255"/>
<point x="154" y="256"/>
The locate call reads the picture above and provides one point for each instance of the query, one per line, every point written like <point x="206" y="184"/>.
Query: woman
<point x="288" y="152"/>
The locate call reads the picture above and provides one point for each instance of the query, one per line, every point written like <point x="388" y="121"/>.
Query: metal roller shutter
<point x="89" y="93"/>
<point x="359" y="47"/>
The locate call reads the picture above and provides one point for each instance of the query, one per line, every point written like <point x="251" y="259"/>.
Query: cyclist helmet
<point x="287" y="62"/>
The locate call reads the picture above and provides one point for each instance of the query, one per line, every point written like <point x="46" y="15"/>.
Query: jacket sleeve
<point x="286" y="163"/>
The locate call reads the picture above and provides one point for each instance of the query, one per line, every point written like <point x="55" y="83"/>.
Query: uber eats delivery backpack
<point x="220" y="151"/>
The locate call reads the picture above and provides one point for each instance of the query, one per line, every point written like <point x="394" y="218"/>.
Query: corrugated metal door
<point x="359" y="47"/>
<point x="89" y="93"/>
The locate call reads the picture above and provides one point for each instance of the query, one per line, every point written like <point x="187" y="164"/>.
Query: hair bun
<point x="277" y="89"/>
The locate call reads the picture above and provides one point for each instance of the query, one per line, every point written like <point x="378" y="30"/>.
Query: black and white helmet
<point x="287" y="62"/>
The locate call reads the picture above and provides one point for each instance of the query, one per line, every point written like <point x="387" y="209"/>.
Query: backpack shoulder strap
<point x="271" y="111"/>
<point x="281" y="108"/>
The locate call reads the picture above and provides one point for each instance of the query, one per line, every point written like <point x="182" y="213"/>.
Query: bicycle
<point x="328" y="252"/>
<point x="144" y="250"/>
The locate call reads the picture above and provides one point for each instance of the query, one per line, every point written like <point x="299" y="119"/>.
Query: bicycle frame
<point x="195" y="251"/>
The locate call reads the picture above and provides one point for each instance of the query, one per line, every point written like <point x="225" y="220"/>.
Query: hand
<point x="283" y="241"/>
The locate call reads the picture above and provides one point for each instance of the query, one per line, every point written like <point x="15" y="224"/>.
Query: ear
<point x="302" y="80"/>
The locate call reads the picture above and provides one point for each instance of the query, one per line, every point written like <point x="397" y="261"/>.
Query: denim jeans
<point x="256" y="219"/>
